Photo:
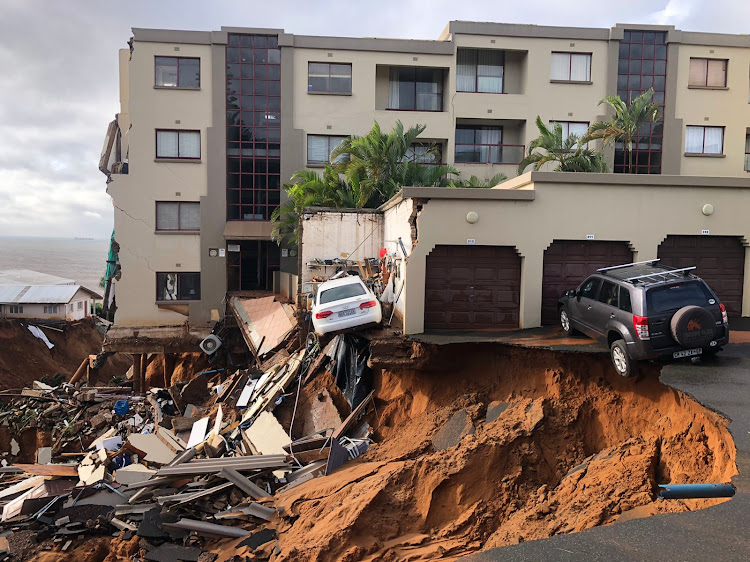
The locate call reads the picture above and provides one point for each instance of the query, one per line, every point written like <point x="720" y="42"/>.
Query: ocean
<point x="81" y="260"/>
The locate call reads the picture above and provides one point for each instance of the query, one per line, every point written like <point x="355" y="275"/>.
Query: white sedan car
<point x="344" y="303"/>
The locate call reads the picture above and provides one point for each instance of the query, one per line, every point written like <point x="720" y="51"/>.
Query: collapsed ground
<point x="484" y="445"/>
<point x="573" y="447"/>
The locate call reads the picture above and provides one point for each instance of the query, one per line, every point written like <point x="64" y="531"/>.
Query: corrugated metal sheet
<point x="9" y="293"/>
<point x="49" y="294"/>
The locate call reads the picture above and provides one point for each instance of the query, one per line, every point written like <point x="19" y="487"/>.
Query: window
<point x="704" y="140"/>
<point x="51" y="309"/>
<point x="571" y="128"/>
<point x="480" y="70"/>
<point x="708" y="73"/>
<point x="747" y="152"/>
<point x="672" y="297"/>
<point x="479" y="145"/>
<point x="608" y="294"/>
<point x="16" y="309"/>
<point x="329" y="78"/>
<point x="589" y="287"/>
<point x="80" y="305"/>
<point x="178" y="144"/>
<point x="178" y="215"/>
<point x="416" y="89"/>
<point x="178" y="286"/>
<point x="319" y="148"/>
<point x="624" y="303"/>
<point x="571" y="67"/>
<point x="425" y="153"/>
<point x="342" y="292"/>
<point x="177" y="72"/>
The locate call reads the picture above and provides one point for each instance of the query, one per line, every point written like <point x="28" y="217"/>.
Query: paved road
<point x="718" y="533"/>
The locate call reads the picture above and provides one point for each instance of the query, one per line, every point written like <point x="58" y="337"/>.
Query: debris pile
<point x="485" y="446"/>
<point x="202" y="459"/>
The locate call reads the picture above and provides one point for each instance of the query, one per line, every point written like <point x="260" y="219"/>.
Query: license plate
<point x="687" y="353"/>
<point x="349" y="312"/>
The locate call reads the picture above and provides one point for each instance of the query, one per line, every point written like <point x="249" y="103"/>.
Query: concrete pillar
<point x="137" y="373"/>
<point x="144" y="368"/>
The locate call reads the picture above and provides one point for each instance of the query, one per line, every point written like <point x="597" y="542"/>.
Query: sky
<point x="59" y="90"/>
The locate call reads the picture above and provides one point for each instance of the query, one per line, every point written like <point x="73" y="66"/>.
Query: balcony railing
<point x="510" y="154"/>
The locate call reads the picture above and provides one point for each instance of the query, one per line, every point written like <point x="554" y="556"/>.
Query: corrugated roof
<point x="41" y="294"/>
<point x="9" y="293"/>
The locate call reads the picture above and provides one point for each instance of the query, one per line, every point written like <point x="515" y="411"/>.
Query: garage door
<point x="720" y="260"/>
<point x="568" y="262"/>
<point x="472" y="287"/>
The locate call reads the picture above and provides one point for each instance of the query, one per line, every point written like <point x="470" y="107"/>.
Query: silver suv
<point x="646" y="310"/>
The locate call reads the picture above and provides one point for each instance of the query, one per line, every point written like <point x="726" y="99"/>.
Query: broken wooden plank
<point x="48" y="469"/>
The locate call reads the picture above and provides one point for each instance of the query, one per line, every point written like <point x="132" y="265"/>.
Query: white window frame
<point x="703" y="139"/>
<point x="178" y="150"/>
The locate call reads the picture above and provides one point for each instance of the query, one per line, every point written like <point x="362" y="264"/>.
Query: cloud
<point x="59" y="79"/>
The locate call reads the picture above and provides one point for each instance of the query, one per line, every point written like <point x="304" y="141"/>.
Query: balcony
<point x="114" y="157"/>
<point x="410" y="88"/>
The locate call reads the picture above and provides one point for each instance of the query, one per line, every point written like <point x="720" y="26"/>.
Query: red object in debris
<point x="383" y="252"/>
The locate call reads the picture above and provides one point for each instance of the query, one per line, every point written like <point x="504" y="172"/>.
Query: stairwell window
<point x="177" y="72"/>
<point x="747" y="152"/>
<point x="704" y="140"/>
<point x="480" y="70"/>
<point x="178" y="216"/>
<point x="571" y="67"/>
<point x="178" y="144"/>
<point x="708" y="73"/>
<point x="178" y="287"/>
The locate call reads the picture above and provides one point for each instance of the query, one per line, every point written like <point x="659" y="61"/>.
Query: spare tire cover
<point x="692" y="326"/>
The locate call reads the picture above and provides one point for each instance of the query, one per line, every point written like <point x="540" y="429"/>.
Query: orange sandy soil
<point x="577" y="448"/>
<point x="24" y="358"/>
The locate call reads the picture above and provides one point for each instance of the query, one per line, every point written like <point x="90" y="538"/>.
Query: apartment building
<point x="213" y="123"/>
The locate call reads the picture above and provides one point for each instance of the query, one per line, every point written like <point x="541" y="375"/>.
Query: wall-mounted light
<point x="472" y="217"/>
<point x="707" y="209"/>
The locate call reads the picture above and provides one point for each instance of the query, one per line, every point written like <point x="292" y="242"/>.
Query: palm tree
<point x="474" y="181"/>
<point x="626" y="123"/>
<point x="570" y="153"/>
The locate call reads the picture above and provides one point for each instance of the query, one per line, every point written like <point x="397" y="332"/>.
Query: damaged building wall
<point x="641" y="211"/>
<point x="356" y="234"/>
<point x="144" y="251"/>
<point x="399" y="222"/>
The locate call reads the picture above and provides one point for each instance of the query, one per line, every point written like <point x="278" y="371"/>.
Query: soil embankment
<point x="575" y="447"/>
<point x="25" y="358"/>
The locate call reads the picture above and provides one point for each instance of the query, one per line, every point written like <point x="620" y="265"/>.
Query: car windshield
<point x="341" y="292"/>
<point x="673" y="297"/>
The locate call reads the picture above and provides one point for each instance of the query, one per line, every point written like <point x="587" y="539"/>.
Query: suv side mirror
<point x="572" y="293"/>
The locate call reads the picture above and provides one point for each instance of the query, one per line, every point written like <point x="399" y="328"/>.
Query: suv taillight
<point x="724" y="318"/>
<point x="324" y="314"/>
<point x="640" y="323"/>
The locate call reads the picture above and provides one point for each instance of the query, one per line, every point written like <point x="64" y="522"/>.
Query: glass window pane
<point x="317" y="149"/>
<point x="697" y="74"/>
<point x="317" y="84"/>
<point x="190" y="73"/>
<point x="560" y="66"/>
<point x="580" y="68"/>
<point x="166" y="144"/>
<point x="464" y="136"/>
<point x="714" y="140"/>
<point x="341" y="85"/>
<point x="166" y="216"/>
<point x="190" y="216"/>
<point x="166" y="71"/>
<point x="466" y="153"/>
<point x="189" y="286"/>
<point x="717" y="73"/>
<point x="694" y="140"/>
<point x="578" y="129"/>
<point x="274" y="56"/>
<point x="466" y="70"/>
<point x="190" y="144"/>
<point x="341" y="70"/>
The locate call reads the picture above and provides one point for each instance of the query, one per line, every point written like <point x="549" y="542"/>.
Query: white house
<point x="55" y="302"/>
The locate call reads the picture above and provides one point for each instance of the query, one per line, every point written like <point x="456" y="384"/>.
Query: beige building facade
<point x="212" y="124"/>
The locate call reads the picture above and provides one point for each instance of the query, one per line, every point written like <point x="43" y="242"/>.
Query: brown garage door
<point x="568" y="262"/>
<point x="472" y="287"/>
<point x="720" y="260"/>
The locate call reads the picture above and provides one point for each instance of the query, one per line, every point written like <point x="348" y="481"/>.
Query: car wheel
<point x="621" y="360"/>
<point x="565" y="324"/>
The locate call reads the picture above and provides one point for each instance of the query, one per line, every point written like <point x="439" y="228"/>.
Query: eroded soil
<point x="576" y="447"/>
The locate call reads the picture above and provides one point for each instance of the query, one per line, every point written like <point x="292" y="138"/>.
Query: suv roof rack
<point x="663" y="274"/>
<point x="651" y="262"/>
